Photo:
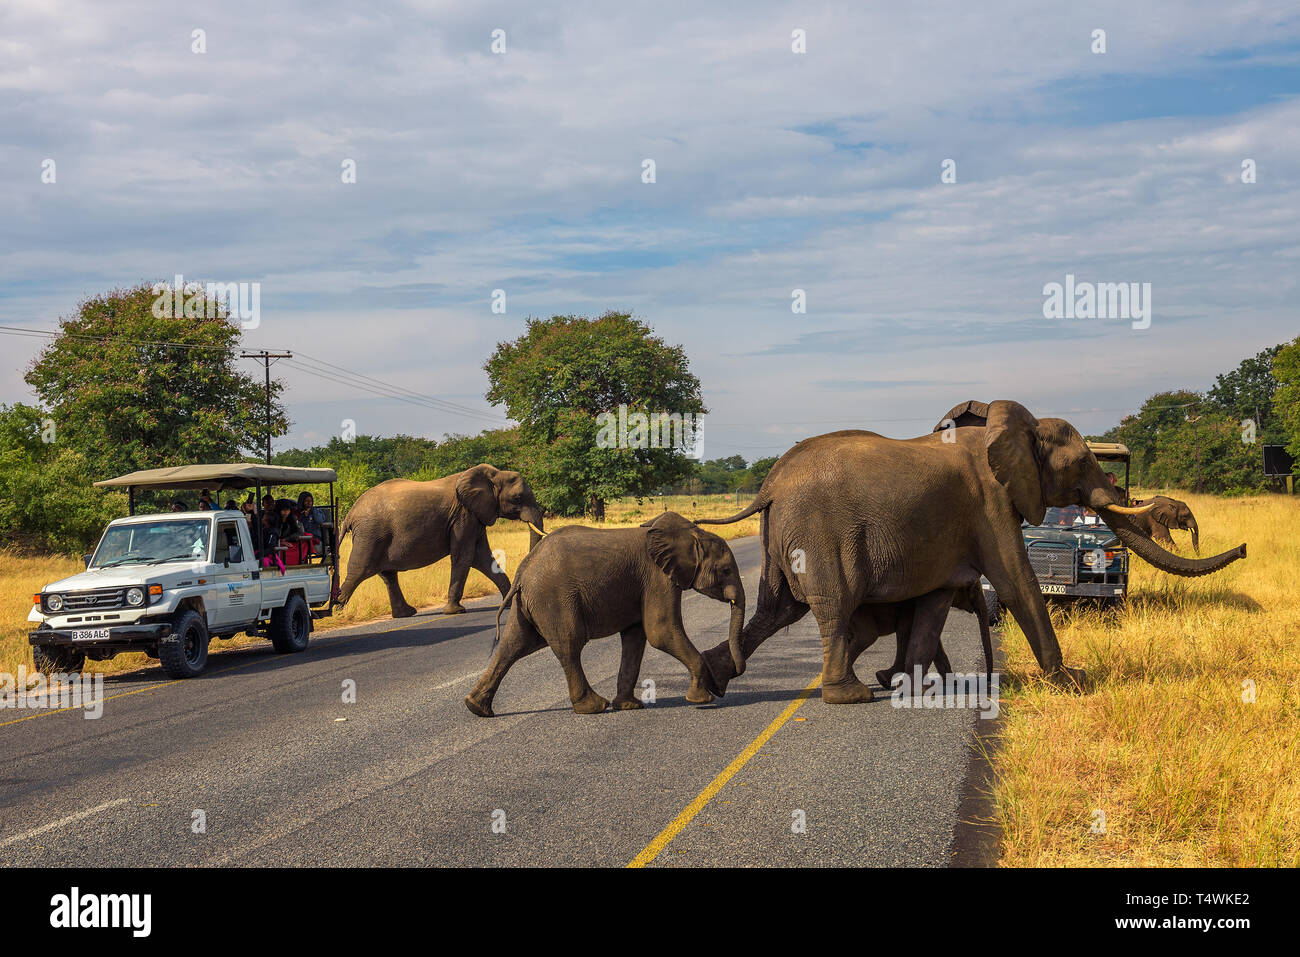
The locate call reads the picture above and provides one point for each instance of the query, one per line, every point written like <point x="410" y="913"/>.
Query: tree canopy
<point x="132" y="390"/>
<point x="564" y="372"/>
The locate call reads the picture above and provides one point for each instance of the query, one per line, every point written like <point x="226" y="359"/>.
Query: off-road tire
<point x="184" y="653"/>
<point x="290" y="626"/>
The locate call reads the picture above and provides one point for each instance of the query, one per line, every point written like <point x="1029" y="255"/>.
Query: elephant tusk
<point x="536" y="529"/>
<point x="1127" y="510"/>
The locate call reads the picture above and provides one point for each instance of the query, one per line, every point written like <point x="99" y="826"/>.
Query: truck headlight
<point x="54" y="602"/>
<point x="135" y="597"/>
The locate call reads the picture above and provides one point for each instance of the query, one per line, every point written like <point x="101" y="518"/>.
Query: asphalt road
<point x="285" y="773"/>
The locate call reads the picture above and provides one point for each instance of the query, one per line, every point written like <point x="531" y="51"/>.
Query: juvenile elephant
<point x="854" y="518"/>
<point x="1169" y="513"/>
<point x="898" y="617"/>
<point x="399" y="525"/>
<point x="580" y="583"/>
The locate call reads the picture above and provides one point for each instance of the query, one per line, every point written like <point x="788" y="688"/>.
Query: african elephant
<point x="1168" y="513"/>
<point x="400" y="524"/>
<point x="853" y="518"/>
<point x="584" y="583"/>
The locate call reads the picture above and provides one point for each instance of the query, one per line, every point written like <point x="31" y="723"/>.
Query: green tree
<point x="564" y="372"/>
<point x="131" y="390"/>
<point x="1247" y="393"/>
<point x="1286" y="399"/>
<point x="1206" y="453"/>
<point x="759" y="469"/>
<point x="47" y="499"/>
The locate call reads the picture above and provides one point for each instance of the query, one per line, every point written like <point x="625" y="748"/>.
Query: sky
<point x="774" y="171"/>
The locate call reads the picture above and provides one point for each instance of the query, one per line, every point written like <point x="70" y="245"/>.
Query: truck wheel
<point x="992" y="605"/>
<point x="290" y="626"/>
<point x="185" y="651"/>
<point x="52" y="658"/>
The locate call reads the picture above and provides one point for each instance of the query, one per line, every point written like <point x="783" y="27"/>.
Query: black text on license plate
<point x="90" y="634"/>
<point x="1053" y="589"/>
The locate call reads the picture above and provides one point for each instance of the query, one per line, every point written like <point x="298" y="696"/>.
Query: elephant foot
<point x="696" y="693"/>
<point x="403" y="611"/>
<point x="886" y="677"/>
<point x="628" y="704"/>
<point x="480" y="706"/>
<point x="1069" y="679"/>
<point x="851" y="691"/>
<point x="719" y="669"/>
<point x="453" y="608"/>
<point x="590" y="703"/>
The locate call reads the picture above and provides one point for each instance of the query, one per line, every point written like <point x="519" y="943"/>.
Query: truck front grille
<point x="99" y="599"/>
<point x="1055" y="565"/>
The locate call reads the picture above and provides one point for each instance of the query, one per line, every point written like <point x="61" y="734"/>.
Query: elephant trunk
<point x="533" y="516"/>
<point x="1141" y="545"/>
<point x="733" y="632"/>
<point x="1196" y="537"/>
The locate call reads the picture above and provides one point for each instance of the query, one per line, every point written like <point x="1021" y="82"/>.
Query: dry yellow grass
<point x="21" y="577"/>
<point x="1167" y="743"/>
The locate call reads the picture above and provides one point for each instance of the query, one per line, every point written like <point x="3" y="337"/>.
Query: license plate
<point x="1053" y="589"/>
<point x="90" y="634"/>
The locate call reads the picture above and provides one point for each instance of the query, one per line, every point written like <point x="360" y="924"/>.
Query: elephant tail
<point x="759" y="504"/>
<point x="505" y="602"/>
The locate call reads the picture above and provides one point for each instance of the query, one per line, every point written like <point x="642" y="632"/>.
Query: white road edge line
<point x="60" y="822"/>
<point x="453" y="681"/>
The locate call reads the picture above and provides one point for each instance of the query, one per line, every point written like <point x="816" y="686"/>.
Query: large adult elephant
<point x="401" y="524"/>
<point x="1165" y="514"/>
<point x="853" y="518"/>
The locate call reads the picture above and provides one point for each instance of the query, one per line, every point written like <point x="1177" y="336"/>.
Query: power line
<point x="320" y="367"/>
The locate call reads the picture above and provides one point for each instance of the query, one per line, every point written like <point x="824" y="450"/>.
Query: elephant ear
<point x="475" y="491"/>
<point x="674" y="545"/>
<point x="1166" y="513"/>
<point x="1011" y="442"/>
<point x="970" y="412"/>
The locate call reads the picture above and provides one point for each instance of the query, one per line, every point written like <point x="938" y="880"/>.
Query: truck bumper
<point x="1085" y="590"/>
<point x="120" y="637"/>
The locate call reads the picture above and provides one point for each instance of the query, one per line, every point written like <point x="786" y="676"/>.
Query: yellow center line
<point x="215" y="671"/>
<point x="679" y="823"/>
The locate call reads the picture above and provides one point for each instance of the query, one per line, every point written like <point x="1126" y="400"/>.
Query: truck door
<point x="238" y="592"/>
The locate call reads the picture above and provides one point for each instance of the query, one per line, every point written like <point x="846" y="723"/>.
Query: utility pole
<point x="266" y="358"/>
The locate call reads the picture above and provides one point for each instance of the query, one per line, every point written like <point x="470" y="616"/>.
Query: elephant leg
<point x="485" y="562"/>
<point x="669" y="637"/>
<point x="630" y="668"/>
<point x="903" y="633"/>
<point x="1160" y="535"/>
<point x="777" y="609"/>
<point x="461" y="563"/>
<point x="520" y="640"/>
<point x="584" y="697"/>
<point x="1007" y="568"/>
<point x="923" y="644"/>
<point x="840" y="684"/>
<point x="396" y="600"/>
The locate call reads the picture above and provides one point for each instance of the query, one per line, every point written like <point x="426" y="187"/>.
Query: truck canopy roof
<point x="1109" y="451"/>
<point x="232" y="475"/>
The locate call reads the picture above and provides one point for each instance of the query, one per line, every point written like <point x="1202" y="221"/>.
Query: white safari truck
<point x="167" y="583"/>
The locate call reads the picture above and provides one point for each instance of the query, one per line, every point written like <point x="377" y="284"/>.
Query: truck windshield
<point x="164" y="540"/>
<point x="1070" y="516"/>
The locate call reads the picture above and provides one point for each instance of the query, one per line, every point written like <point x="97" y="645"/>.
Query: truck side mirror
<point x="236" y="555"/>
<point x="86" y="560"/>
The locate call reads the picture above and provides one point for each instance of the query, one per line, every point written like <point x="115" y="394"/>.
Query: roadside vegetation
<point x="1188" y="738"/>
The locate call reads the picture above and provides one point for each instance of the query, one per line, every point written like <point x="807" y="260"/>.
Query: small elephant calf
<point x="581" y="583"/>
